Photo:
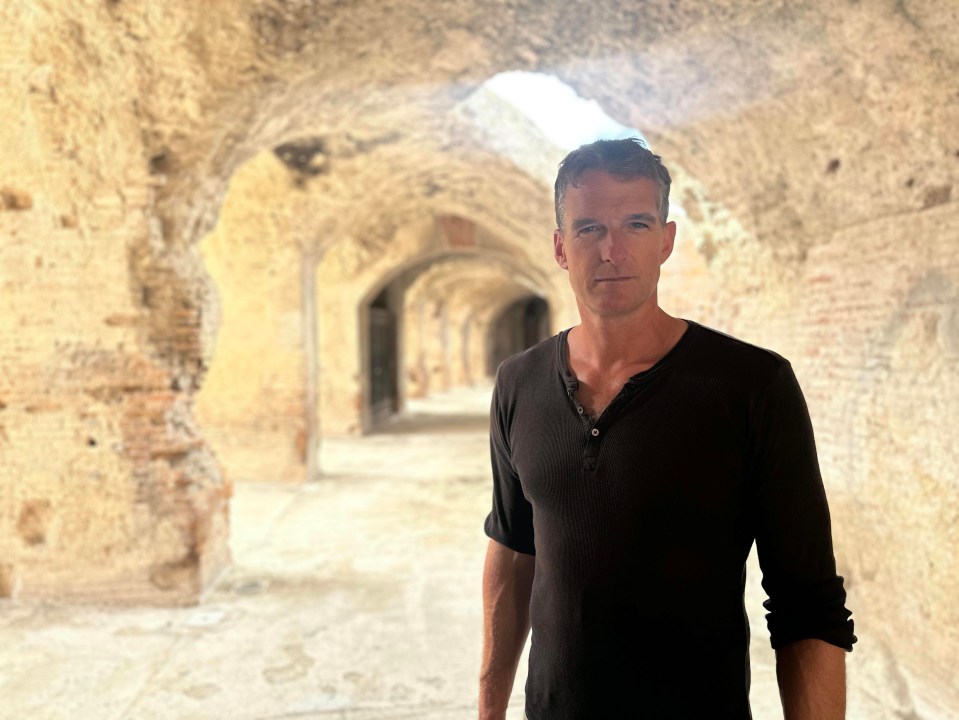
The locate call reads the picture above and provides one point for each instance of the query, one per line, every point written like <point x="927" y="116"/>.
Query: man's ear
<point x="669" y="238"/>
<point x="559" y="249"/>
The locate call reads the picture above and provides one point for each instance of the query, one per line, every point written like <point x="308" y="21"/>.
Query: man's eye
<point x="588" y="229"/>
<point x="639" y="225"/>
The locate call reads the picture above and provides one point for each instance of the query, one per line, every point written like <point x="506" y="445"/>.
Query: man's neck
<point x="639" y="340"/>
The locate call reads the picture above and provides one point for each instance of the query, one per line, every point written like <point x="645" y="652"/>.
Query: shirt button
<point x="594" y="432"/>
<point x="579" y="409"/>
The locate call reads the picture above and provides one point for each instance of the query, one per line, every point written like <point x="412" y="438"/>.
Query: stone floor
<point x="355" y="598"/>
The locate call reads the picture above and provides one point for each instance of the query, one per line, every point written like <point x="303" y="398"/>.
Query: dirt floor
<point x="356" y="597"/>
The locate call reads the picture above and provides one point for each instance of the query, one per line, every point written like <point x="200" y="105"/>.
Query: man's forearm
<point x="507" y="583"/>
<point x="812" y="680"/>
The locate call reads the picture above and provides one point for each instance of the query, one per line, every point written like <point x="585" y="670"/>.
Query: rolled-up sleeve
<point x="510" y="521"/>
<point x="792" y="524"/>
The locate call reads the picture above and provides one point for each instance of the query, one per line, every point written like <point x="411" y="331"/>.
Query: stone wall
<point x="252" y="403"/>
<point x="107" y="489"/>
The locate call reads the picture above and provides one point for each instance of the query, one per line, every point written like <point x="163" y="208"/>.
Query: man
<point x="636" y="457"/>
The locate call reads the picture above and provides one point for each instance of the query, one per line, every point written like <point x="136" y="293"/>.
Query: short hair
<point x="626" y="159"/>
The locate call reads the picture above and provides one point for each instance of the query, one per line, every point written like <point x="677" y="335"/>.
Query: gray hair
<point x="626" y="159"/>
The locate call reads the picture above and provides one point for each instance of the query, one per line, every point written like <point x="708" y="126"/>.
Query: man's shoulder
<point x="532" y="360"/>
<point x="733" y="358"/>
<point x="528" y="369"/>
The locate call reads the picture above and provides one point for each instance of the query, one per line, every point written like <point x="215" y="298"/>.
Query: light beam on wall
<point x="555" y="112"/>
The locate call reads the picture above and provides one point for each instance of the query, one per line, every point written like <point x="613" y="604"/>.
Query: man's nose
<point x="613" y="248"/>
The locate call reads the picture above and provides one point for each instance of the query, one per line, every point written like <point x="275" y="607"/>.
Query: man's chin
<point x="614" y="310"/>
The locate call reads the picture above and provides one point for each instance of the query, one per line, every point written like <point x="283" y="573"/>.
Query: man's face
<point x="613" y="243"/>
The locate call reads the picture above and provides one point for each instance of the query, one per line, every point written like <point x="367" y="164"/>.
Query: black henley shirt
<point x="641" y="523"/>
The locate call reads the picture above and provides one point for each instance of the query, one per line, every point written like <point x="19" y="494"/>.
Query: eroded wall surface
<point x="107" y="489"/>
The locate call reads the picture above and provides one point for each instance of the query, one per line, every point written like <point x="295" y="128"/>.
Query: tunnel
<point x="243" y="250"/>
<point x="518" y="327"/>
<point x="383" y="359"/>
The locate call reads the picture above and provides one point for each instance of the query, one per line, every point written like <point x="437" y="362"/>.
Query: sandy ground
<point x="356" y="597"/>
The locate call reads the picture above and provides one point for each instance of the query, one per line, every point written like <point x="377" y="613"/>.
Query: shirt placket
<point x="596" y="430"/>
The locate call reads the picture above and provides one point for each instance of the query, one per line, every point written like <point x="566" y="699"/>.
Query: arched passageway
<point x="519" y="326"/>
<point x="270" y="396"/>
<point x="428" y="329"/>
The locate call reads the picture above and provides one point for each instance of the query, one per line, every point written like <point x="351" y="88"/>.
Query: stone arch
<point x="440" y="252"/>
<point x="280" y="180"/>
<point x="465" y="297"/>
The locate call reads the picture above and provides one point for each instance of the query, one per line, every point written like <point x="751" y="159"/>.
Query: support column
<point x="310" y="350"/>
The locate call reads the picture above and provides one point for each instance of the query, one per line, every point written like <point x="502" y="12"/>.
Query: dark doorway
<point x="384" y="385"/>
<point x="520" y="326"/>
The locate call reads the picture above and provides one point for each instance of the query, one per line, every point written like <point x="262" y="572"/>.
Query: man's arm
<point x="809" y="624"/>
<point x="812" y="680"/>
<point x="507" y="584"/>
